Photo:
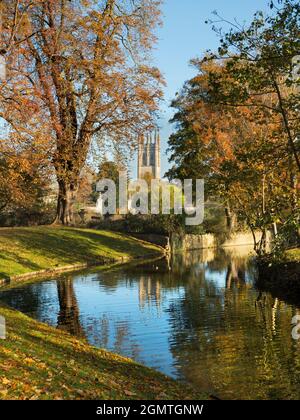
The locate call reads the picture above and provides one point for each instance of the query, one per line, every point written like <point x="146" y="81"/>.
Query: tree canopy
<point x="237" y="122"/>
<point x="78" y="71"/>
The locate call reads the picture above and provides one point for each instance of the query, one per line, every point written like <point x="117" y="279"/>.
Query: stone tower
<point x="149" y="156"/>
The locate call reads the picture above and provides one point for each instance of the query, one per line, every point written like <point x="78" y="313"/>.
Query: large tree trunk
<point x="66" y="197"/>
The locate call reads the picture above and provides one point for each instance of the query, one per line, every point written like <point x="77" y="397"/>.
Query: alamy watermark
<point x="2" y="328"/>
<point x="296" y="329"/>
<point x="157" y="197"/>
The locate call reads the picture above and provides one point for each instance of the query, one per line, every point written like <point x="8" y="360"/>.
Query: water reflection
<point x="197" y="317"/>
<point x="68" y="316"/>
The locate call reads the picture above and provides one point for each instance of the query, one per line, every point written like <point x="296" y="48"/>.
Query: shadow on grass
<point x="15" y="258"/>
<point x="95" y="373"/>
<point x="64" y="246"/>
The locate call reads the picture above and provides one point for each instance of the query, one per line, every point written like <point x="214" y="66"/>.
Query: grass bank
<point x="41" y="362"/>
<point x="30" y="250"/>
<point x="281" y="277"/>
<point x="293" y="255"/>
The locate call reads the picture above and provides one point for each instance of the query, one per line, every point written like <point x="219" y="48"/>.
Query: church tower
<point x="149" y="156"/>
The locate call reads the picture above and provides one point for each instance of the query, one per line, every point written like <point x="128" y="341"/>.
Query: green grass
<point x="26" y="250"/>
<point x="293" y="255"/>
<point x="41" y="362"/>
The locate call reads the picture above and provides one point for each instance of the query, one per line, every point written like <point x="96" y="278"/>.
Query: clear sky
<point x="184" y="36"/>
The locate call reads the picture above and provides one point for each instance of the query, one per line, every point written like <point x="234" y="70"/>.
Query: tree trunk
<point x="66" y="196"/>
<point x="262" y="244"/>
<point x="230" y="219"/>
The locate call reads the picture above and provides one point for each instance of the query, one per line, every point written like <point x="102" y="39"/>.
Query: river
<point x="198" y="318"/>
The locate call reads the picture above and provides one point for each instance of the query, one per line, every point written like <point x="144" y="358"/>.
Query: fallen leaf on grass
<point x="129" y="393"/>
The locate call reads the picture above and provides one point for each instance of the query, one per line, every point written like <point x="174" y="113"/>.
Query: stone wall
<point x="239" y="239"/>
<point x="193" y="242"/>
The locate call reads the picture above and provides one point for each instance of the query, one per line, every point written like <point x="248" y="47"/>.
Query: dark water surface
<point x="197" y="318"/>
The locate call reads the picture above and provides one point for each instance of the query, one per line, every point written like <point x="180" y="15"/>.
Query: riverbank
<point x="36" y="251"/>
<point x="281" y="278"/>
<point x="288" y="266"/>
<point x="41" y="362"/>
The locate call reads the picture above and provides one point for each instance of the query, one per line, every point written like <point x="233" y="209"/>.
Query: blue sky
<point x="185" y="35"/>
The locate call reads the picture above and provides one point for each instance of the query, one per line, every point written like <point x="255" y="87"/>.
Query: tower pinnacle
<point x="149" y="155"/>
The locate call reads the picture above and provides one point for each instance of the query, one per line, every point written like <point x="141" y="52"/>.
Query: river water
<point x="198" y="318"/>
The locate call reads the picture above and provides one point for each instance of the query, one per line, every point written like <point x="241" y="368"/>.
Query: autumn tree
<point x="244" y="163"/>
<point x="263" y="68"/>
<point x="24" y="184"/>
<point x="237" y="122"/>
<point x="84" y="69"/>
<point x="261" y="60"/>
<point x="202" y="141"/>
<point x="109" y="170"/>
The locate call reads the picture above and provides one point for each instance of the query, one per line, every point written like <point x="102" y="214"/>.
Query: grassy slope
<point x="293" y="255"/>
<point x="25" y="250"/>
<point x="40" y="362"/>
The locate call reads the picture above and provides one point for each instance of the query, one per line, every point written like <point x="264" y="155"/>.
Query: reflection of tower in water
<point x="149" y="291"/>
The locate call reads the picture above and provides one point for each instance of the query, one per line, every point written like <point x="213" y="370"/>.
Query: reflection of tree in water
<point x="68" y="317"/>
<point x="224" y="335"/>
<point x="113" y="334"/>
<point x="32" y="299"/>
<point x="159" y="274"/>
<point x="286" y="288"/>
<point x="183" y="270"/>
<point x="235" y="268"/>
<point x="221" y="340"/>
<point x="235" y="274"/>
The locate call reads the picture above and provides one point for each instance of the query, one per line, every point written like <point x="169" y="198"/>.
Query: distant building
<point x="149" y="156"/>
